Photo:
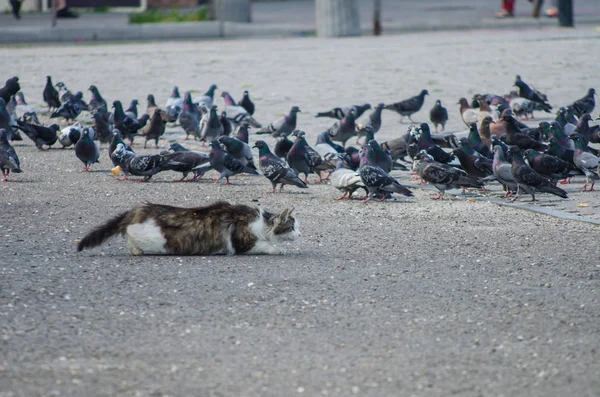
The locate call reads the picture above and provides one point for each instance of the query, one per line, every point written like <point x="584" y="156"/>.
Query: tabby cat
<point x="219" y="228"/>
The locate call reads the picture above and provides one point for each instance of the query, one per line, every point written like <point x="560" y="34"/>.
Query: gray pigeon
<point x="132" y="110"/>
<point x="39" y="134"/>
<point x="189" y="117"/>
<point x="241" y="151"/>
<point x="528" y="180"/>
<point x="225" y="164"/>
<point x="86" y="150"/>
<point x="409" y="106"/>
<point x="139" y="165"/>
<point x="5" y="120"/>
<point x="346" y="181"/>
<point x="438" y="115"/>
<point x="185" y="162"/>
<point x="275" y="169"/>
<point x="102" y="127"/>
<point x="236" y="113"/>
<point x="97" y="103"/>
<point x="9" y="161"/>
<point x="503" y="172"/>
<point x="50" y="94"/>
<point x="213" y="128"/>
<point x="70" y="109"/>
<point x="344" y="129"/>
<point x="377" y="181"/>
<point x="585" y="104"/>
<point x="283" y="126"/>
<point x="340" y="112"/>
<point x="443" y="176"/>
<point x="208" y="98"/>
<point x="585" y="161"/>
<point x="374" y="123"/>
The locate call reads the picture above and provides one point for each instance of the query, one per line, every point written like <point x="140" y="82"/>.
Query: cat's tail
<point x="103" y="232"/>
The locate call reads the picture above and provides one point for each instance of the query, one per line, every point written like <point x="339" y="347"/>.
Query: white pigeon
<point x="346" y="180"/>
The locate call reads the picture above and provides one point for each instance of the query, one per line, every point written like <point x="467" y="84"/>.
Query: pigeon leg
<point x="180" y="180"/>
<point x="584" y="187"/>
<point x="592" y="188"/>
<point x="565" y="181"/>
<point x="281" y="188"/>
<point x="421" y="182"/>
<point x="438" y="196"/>
<point x="227" y="181"/>
<point x="383" y="198"/>
<point x="367" y="199"/>
<point x="4" y="176"/>
<point x="123" y="178"/>
<point x="305" y="179"/>
<point x="345" y="196"/>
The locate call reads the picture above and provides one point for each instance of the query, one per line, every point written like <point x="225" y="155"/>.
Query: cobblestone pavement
<point x="407" y="297"/>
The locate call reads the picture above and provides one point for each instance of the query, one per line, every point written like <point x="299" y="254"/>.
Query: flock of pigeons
<point x="498" y="146"/>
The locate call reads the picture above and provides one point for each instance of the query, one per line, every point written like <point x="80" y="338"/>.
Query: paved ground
<point x="288" y="18"/>
<point x="408" y="297"/>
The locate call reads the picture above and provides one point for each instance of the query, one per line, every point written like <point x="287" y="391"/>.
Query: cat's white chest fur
<point x="146" y="239"/>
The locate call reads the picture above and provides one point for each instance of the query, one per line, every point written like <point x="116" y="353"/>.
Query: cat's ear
<point x="283" y="215"/>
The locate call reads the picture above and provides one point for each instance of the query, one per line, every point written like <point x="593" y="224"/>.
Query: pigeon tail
<point x="103" y="232"/>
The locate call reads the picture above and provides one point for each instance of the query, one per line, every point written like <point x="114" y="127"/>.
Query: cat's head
<point x="285" y="226"/>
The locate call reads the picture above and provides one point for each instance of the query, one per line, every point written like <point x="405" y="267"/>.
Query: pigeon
<point x="352" y="158"/>
<point x="246" y="103"/>
<point x="346" y="180"/>
<point x="443" y="176"/>
<point x="438" y="115"/>
<point x="6" y="121"/>
<point x="562" y="152"/>
<point x="374" y="122"/>
<point x="189" y="117"/>
<point x="514" y="136"/>
<point x="213" y="128"/>
<point x="174" y="102"/>
<point x="275" y="169"/>
<point x="548" y="166"/>
<point x="533" y="95"/>
<point x="151" y="105"/>
<point x="377" y="181"/>
<point x="583" y="128"/>
<point x="284" y="125"/>
<point x="70" y="109"/>
<point x="9" y="161"/>
<point x="11" y="87"/>
<point x="237" y="113"/>
<point x="299" y="159"/>
<point x="380" y="157"/>
<point x="475" y="165"/>
<point x="86" y="150"/>
<point x="102" y="127"/>
<point x="139" y="165"/>
<point x="340" y="112"/>
<point x="155" y="128"/>
<point x="477" y="144"/>
<point x="503" y="172"/>
<point x="485" y="133"/>
<point x="125" y="124"/>
<point x="585" y="104"/>
<point x="283" y="146"/>
<point x="39" y="134"/>
<point x="227" y="126"/>
<point x="225" y="164"/>
<point x="529" y="180"/>
<point x="522" y="107"/>
<point x="567" y="120"/>
<point x="97" y="103"/>
<point x="409" y="106"/>
<point x="132" y="110"/>
<point x="50" y="94"/>
<point x="24" y="110"/>
<point x="241" y="132"/>
<point x="238" y="150"/>
<point x="115" y="141"/>
<point x="343" y="129"/>
<point x="318" y="163"/>
<point x="325" y="147"/>
<point x="425" y="142"/>
<point x="207" y="98"/>
<point x="186" y="161"/>
<point x="467" y="113"/>
<point x="64" y="94"/>
<point x="586" y="162"/>
<point x="559" y="134"/>
<point x="70" y="135"/>
<point x="485" y="110"/>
